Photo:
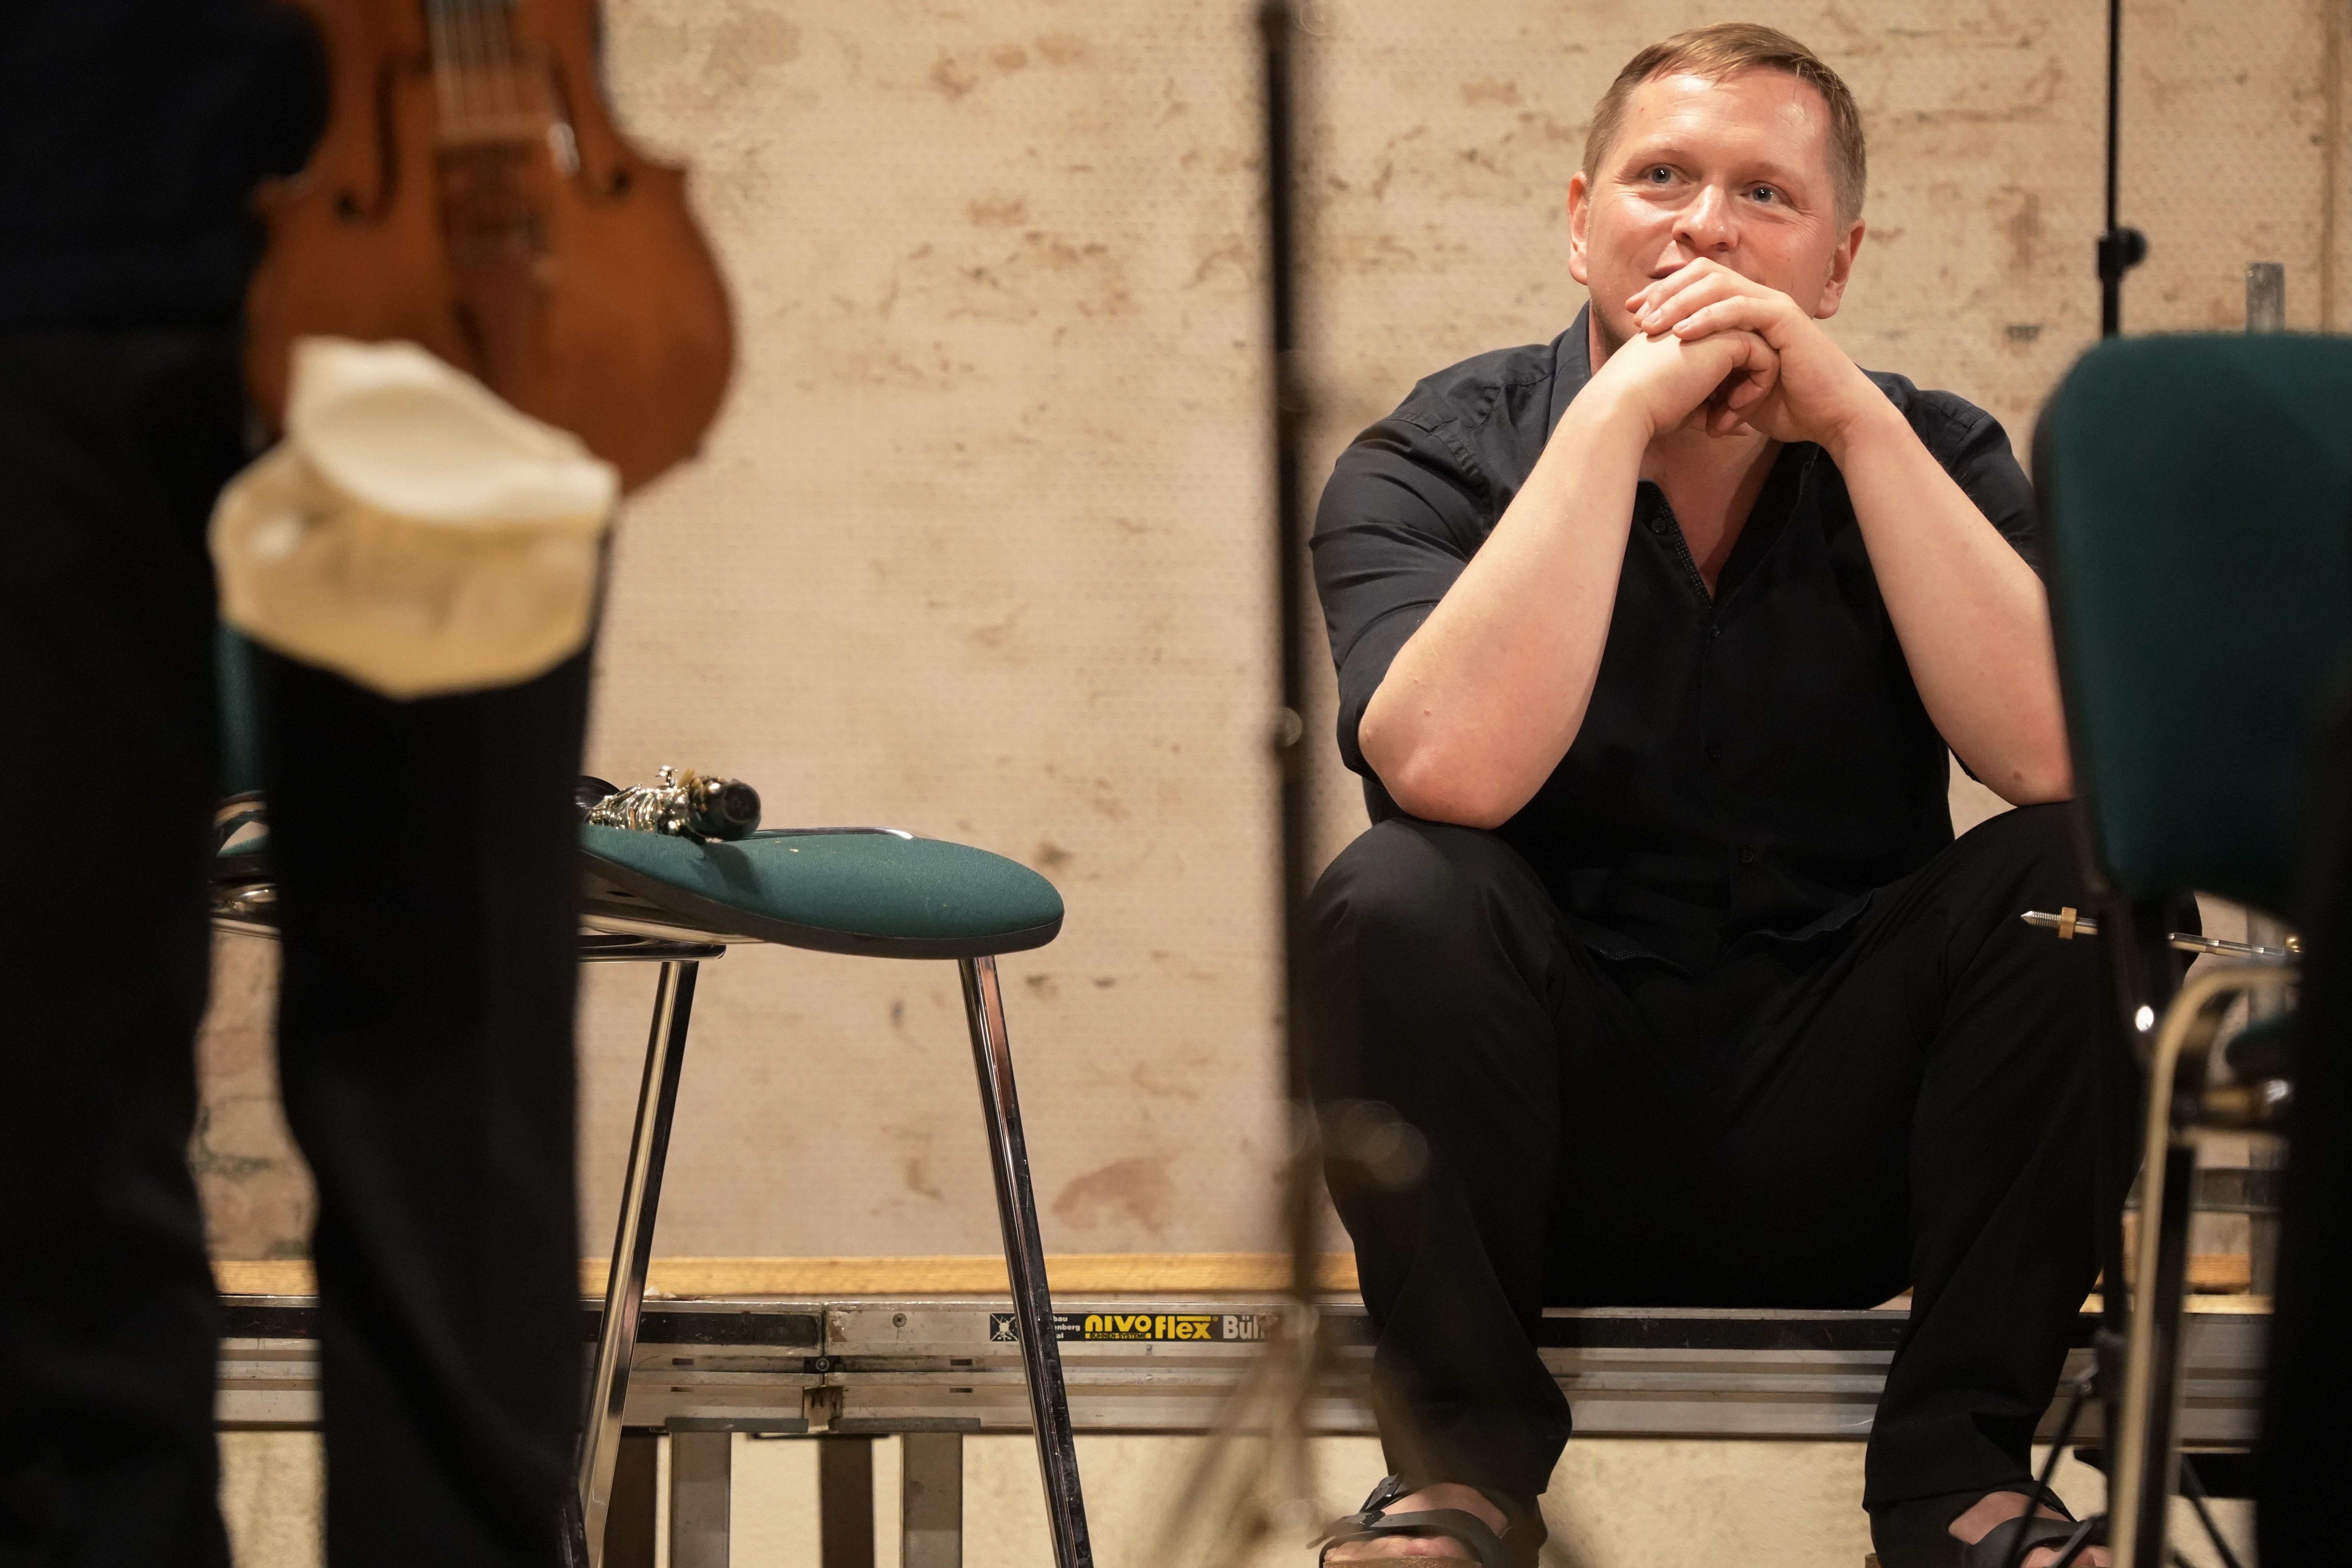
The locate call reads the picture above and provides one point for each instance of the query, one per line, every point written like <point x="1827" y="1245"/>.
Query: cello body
<point x="470" y="194"/>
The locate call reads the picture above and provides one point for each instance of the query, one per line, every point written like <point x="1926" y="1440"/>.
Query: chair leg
<point x="1024" y="1260"/>
<point x="2146" y="1444"/>
<point x="633" y="1243"/>
<point x="2148" y="1456"/>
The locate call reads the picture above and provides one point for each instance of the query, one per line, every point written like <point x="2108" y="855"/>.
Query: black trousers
<point x="429" y="872"/>
<point x="1818" y="1125"/>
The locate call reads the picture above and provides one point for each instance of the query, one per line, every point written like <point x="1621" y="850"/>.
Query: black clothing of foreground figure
<point x="426" y="851"/>
<point x="1659" y="936"/>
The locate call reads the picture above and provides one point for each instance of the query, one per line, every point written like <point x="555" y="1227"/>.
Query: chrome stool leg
<point x="1024" y="1260"/>
<point x="633" y="1246"/>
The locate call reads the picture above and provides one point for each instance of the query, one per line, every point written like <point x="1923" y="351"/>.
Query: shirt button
<point x="1715" y="754"/>
<point x="1747" y="856"/>
<point x="1657" y="525"/>
<point x="1713" y="633"/>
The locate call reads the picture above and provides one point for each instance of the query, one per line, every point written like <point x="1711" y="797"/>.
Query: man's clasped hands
<point x="1717" y="351"/>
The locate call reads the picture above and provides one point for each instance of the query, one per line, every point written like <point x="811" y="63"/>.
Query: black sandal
<point x="1515" y="1548"/>
<point x="1918" y="1534"/>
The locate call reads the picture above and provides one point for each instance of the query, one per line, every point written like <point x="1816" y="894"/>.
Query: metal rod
<point x="2149" y="1452"/>
<point x="1279" y="24"/>
<point x="633" y="1243"/>
<point x="2114" y="106"/>
<point x="2186" y="942"/>
<point x="2266" y="297"/>
<point x="1024" y="1260"/>
<point x="2138" y="967"/>
<point x="1300" y="1346"/>
<point x="2120" y="250"/>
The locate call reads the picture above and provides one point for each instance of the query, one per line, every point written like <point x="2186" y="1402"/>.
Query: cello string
<point x="512" y="149"/>
<point x="497" y="54"/>
<point x="444" y="77"/>
<point x="484" y="109"/>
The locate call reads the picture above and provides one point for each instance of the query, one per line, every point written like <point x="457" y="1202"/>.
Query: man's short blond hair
<point x="1724" y="50"/>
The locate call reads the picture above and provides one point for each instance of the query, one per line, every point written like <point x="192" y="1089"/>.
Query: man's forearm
<point x="1484" y="701"/>
<point x="1972" y="617"/>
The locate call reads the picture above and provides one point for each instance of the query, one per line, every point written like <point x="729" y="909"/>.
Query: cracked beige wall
<point x="979" y="545"/>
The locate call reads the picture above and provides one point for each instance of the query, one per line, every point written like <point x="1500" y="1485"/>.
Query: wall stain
<point x="1139" y="1190"/>
<point x="1065" y="49"/>
<point x="915" y="1175"/>
<point x="951" y="78"/>
<point x="2024" y="229"/>
<point x="953" y="75"/>
<point x="999" y="212"/>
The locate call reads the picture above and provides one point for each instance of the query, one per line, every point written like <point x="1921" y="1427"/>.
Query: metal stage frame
<point x="938" y="1367"/>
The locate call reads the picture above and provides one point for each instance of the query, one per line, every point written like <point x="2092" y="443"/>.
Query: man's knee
<point x="2036" y="848"/>
<point x="1416" y="927"/>
<point x="2034" y="832"/>
<point x="1404" y="884"/>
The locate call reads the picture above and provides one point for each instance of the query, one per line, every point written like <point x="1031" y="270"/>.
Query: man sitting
<point x="1651" y="644"/>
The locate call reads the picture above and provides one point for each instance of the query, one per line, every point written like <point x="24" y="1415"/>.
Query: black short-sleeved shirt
<point x="1753" y="763"/>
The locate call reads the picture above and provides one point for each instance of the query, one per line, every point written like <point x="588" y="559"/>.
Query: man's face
<point x="1736" y="171"/>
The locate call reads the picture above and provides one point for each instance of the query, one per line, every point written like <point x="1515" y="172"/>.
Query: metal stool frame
<point x="248" y="907"/>
<point x="1016" y="1208"/>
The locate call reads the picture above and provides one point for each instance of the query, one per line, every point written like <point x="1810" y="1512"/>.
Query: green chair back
<point x="2197" y="495"/>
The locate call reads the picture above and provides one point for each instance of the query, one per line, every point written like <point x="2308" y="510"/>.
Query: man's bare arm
<point x="1485" y="698"/>
<point x="1973" y="619"/>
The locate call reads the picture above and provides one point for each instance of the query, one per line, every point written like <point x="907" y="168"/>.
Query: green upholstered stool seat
<point x="875" y="893"/>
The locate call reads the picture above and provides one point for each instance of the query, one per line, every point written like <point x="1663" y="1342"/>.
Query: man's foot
<point x="1994" y="1508"/>
<point x="1423" y="1548"/>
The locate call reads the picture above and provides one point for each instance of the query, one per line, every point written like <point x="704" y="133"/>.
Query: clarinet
<point x="686" y="805"/>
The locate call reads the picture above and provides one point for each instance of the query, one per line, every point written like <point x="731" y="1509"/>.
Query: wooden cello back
<point x="470" y="194"/>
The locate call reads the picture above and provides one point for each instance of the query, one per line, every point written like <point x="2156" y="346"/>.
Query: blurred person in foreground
<point x="1651" y="643"/>
<point x="426" y="851"/>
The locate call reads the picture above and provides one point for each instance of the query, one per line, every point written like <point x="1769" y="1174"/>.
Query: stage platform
<point x="1137" y="1363"/>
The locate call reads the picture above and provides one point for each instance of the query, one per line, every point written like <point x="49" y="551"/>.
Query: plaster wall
<point x="978" y="547"/>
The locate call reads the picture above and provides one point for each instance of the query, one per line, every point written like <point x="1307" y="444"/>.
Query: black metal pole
<point x="2120" y="249"/>
<point x="1278" y="25"/>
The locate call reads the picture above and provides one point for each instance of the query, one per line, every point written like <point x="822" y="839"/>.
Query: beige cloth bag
<point x="413" y="532"/>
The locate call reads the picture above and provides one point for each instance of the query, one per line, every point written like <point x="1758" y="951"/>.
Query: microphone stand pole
<point x="1279" y="26"/>
<point x="2120" y="249"/>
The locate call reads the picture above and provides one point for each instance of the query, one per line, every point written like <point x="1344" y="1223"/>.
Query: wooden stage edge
<point x="1069" y="1273"/>
<point x="2218" y="1282"/>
